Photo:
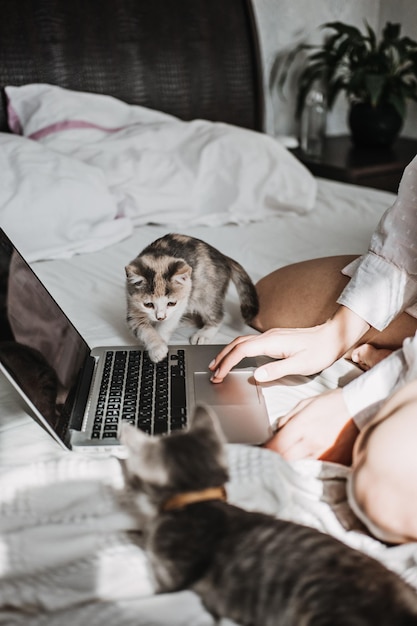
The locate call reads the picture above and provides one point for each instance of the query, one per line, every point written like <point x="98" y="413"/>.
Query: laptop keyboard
<point x="148" y="395"/>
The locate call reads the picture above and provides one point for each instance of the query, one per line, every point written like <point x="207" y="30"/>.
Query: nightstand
<point x="380" y="168"/>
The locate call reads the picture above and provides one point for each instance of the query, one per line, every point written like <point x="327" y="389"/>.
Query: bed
<point x="121" y="121"/>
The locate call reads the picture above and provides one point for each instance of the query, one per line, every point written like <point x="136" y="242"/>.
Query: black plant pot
<point x="374" y="127"/>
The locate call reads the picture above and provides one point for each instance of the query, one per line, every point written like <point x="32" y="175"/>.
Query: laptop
<point x="80" y="395"/>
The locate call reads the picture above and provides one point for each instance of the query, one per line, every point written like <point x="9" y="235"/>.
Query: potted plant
<point x="377" y="76"/>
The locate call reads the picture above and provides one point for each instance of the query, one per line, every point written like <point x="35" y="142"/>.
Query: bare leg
<point x="304" y="294"/>
<point x="383" y="487"/>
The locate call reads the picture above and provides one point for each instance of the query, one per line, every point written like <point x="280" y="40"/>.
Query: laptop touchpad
<point x="239" y="387"/>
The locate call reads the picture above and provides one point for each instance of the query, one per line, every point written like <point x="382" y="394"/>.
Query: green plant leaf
<point x="365" y="67"/>
<point x="371" y="37"/>
<point x="344" y="29"/>
<point x="398" y="103"/>
<point x="391" y="32"/>
<point x="374" y="85"/>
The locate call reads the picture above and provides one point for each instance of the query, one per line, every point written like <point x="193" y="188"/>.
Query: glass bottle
<point x="313" y="122"/>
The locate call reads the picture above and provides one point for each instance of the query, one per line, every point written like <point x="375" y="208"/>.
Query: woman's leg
<point x="383" y="486"/>
<point x="304" y="294"/>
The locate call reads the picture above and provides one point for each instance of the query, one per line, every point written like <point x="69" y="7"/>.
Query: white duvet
<point x="70" y="552"/>
<point x="98" y="166"/>
<point x="68" y="549"/>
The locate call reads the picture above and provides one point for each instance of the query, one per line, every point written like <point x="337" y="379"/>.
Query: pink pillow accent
<point x="67" y="125"/>
<point x="13" y="120"/>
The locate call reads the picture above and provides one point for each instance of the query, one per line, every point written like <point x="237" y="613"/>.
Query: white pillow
<point x="54" y="206"/>
<point x="161" y="169"/>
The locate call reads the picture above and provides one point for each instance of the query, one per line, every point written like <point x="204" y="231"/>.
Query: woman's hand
<point x="319" y="428"/>
<point x="299" y="350"/>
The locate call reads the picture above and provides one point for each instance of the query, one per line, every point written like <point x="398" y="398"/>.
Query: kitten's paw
<point x="158" y="353"/>
<point x="201" y="337"/>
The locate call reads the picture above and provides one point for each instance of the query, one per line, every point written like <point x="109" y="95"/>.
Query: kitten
<point x="248" y="566"/>
<point x="178" y="276"/>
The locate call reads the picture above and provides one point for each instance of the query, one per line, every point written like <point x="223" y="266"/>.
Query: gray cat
<point x="248" y="566"/>
<point x="177" y="276"/>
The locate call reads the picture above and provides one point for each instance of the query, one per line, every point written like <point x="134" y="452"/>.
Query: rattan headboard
<point x="190" y="58"/>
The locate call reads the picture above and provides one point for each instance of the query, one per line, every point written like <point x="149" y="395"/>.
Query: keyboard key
<point x="178" y="395"/>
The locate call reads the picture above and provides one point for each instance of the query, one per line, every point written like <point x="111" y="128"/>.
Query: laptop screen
<point x="39" y="346"/>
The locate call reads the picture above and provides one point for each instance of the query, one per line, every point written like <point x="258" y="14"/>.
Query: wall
<point x="405" y="12"/>
<point x="283" y="23"/>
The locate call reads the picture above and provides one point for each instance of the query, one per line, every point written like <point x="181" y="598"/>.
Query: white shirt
<point x="384" y="281"/>
<point x="365" y="394"/>
<point x="383" y="284"/>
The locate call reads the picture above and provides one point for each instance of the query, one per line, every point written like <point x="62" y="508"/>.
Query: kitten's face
<point x="158" y="287"/>
<point x="189" y="460"/>
<point x="157" y="309"/>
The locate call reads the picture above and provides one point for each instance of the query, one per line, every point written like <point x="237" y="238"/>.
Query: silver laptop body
<point x="80" y="395"/>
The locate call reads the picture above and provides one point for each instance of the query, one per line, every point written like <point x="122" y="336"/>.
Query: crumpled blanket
<point x="69" y="538"/>
<point x="83" y="168"/>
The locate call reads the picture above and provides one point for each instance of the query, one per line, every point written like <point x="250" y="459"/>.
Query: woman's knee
<point x="302" y="294"/>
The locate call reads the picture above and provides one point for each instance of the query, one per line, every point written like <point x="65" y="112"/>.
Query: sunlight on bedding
<point x="112" y="564"/>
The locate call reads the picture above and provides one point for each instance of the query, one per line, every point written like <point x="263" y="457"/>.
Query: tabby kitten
<point x="248" y="566"/>
<point x="178" y="276"/>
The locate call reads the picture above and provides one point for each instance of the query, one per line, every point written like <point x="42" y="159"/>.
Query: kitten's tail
<point x="249" y="304"/>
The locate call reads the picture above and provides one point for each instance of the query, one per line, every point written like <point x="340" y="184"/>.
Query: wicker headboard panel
<point x="190" y="58"/>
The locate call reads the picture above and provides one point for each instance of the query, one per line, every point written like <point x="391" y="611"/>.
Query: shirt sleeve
<point x="365" y="394"/>
<point x="384" y="281"/>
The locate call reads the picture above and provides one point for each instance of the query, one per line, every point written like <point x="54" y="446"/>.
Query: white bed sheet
<point x="67" y="552"/>
<point x="90" y="287"/>
<point x="110" y="158"/>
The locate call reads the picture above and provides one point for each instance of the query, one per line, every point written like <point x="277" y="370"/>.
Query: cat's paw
<point x="201" y="337"/>
<point x="158" y="353"/>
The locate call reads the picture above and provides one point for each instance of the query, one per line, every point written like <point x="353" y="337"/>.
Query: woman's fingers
<point x="233" y="353"/>
<point x="229" y="348"/>
<point x="296" y="350"/>
<point x="286" y="366"/>
<point x="317" y="427"/>
<point x="291" y="446"/>
<point x="276" y="343"/>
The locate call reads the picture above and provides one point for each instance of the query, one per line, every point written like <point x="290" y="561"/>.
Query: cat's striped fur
<point x="178" y="276"/>
<point x="248" y="566"/>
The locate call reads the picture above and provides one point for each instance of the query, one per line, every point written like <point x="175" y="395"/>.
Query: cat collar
<point x="180" y="500"/>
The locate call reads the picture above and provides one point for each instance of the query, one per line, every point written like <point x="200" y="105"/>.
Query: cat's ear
<point x="143" y="455"/>
<point x="205" y="419"/>
<point x="132" y="438"/>
<point x="183" y="274"/>
<point x="133" y="277"/>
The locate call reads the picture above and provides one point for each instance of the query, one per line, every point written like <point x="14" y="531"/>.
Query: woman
<point x="313" y="313"/>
